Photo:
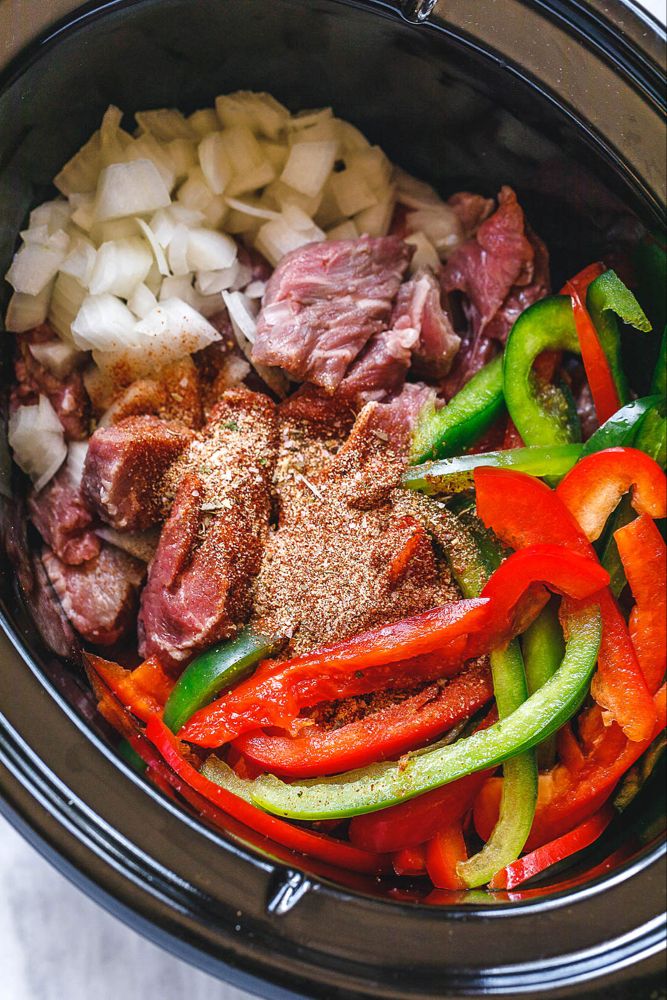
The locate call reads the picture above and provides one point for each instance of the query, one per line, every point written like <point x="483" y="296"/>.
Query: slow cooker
<point x="563" y="99"/>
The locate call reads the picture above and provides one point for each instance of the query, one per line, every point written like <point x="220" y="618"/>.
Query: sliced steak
<point x="379" y="371"/>
<point x="200" y="580"/>
<point x="125" y="468"/>
<point x="324" y="302"/>
<point x="64" y="520"/>
<point x="67" y="395"/>
<point x="419" y="308"/>
<point x="100" y="596"/>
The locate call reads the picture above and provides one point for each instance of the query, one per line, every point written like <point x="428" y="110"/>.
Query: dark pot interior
<point x="448" y="108"/>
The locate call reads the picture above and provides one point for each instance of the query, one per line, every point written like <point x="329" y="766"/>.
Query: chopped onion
<point x="414" y="193"/>
<point x="209" y="282"/>
<point x="141" y="301"/>
<point x="214" y="162"/>
<point x="52" y="214"/>
<point x="183" y="156"/>
<point x="25" y="312"/>
<point x="146" y="147"/>
<point x="352" y="139"/>
<point x="177" y="251"/>
<point x="275" y="153"/>
<point x="176" y="330"/>
<point x="162" y="225"/>
<point x="278" y="237"/>
<point x="114" y="229"/>
<point x="36" y="438"/>
<point x="76" y="457"/>
<point x="187" y="216"/>
<point x="425" y="255"/>
<point x="79" y="175"/>
<point x="66" y="299"/>
<point x="36" y="234"/>
<point x="352" y="191"/>
<point x="164" y="124"/>
<point x="194" y="193"/>
<point x="177" y="288"/>
<point x="36" y="264"/>
<point x="259" y="111"/>
<point x="254" y="209"/>
<point x="304" y="119"/>
<point x="242" y="149"/>
<point x="374" y="166"/>
<point x="120" y="266"/>
<point x="158" y="252"/>
<point x="80" y="260"/>
<point x="204" y="121"/>
<point x="238" y="223"/>
<point x="254" y="179"/>
<point x="240" y="313"/>
<point x="216" y="211"/>
<point x="343" y="231"/>
<point x="309" y="165"/>
<point x="324" y="130"/>
<point x="83" y="215"/>
<point x="133" y="188"/>
<point x="234" y="370"/>
<point x="113" y="140"/>
<point x="55" y="355"/>
<point x="140" y="544"/>
<point x="255" y="290"/>
<point x="210" y="251"/>
<point x="280" y="195"/>
<point x="376" y="221"/>
<point x="440" y="225"/>
<point x="103" y="323"/>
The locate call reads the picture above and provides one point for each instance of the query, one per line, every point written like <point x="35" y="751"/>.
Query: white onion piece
<point x="36" y="234"/>
<point x="25" y="312"/>
<point x="133" y="188"/>
<point x="280" y="195"/>
<point x="176" y="329"/>
<point x="120" y="266"/>
<point x="374" y="166"/>
<point x="164" y="124"/>
<point x="66" y="299"/>
<point x="309" y="165"/>
<point x="177" y="251"/>
<point x="113" y="140"/>
<point x="277" y="237"/>
<point x="80" y="260"/>
<point x="376" y="221"/>
<point x="175" y="287"/>
<point x="183" y="156"/>
<point x="275" y="153"/>
<point x="259" y="111"/>
<point x="210" y="251"/>
<point x="216" y="211"/>
<point x="252" y="180"/>
<point x="324" y="130"/>
<point x="194" y="193"/>
<point x="425" y="255"/>
<point x="36" y="264"/>
<point x="234" y="370"/>
<point x="162" y="225"/>
<point x="76" y="457"/>
<point x="204" y="121"/>
<point x="83" y="215"/>
<point x="304" y="119"/>
<point x="187" y="216"/>
<point x="80" y="173"/>
<point x="248" y="208"/>
<point x="140" y="544"/>
<point x="146" y="147"/>
<point x="440" y="225"/>
<point x="52" y="214"/>
<point x="158" y="252"/>
<point x="241" y="314"/>
<point x="36" y="438"/>
<point x="56" y="356"/>
<point x="352" y="191"/>
<point x="214" y="162"/>
<point x="209" y="282"/>
<point x="103" y="323"/>
<point x="153" y="279"/>
<point x="141" y="301"/>
<point x="343" y="231"/>
<point x="113" y="229"/>
<point x="255" y="290"/>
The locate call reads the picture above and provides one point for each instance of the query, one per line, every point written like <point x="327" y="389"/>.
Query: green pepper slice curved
<point x="452" y="475"/>
<point x="606" y="299"/>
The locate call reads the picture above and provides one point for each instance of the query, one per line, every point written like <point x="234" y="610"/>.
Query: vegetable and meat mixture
<point x="360" y="525"/>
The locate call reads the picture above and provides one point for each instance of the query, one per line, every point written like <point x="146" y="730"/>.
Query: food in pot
<point x="318" y="486"/>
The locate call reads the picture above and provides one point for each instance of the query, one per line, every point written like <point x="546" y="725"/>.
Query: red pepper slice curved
<point x="295" y="838"/>
<point x="600" y="379"/>
<point x="143" y="690"/>
<point x="443" y="855"/>
<point x="556" y="850"/>
<point x="276" y="693"/>
<point x="593" y="487"/>
<point x="644" y="557"/>
<point x="380" y="735"/>
<point x="410" y="861"/>
<point x="536" y="515"/>
<point x="570" y="793"/>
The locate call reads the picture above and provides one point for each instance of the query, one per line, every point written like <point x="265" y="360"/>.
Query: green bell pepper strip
<point x="131" y="757"/>
<point x="382" y="785"/>
<point x="607" y="298"/>
<point x="659" y="380"/>
<point x="543" y="648"/>
<point x="464" y="419"/>
<point x="219" y="667"/>
<point x="451" y="475"/>
<point x="542" y="414"/>
<point x="621" y="429"/>
<point x="652" y="435"/>
<point x="473" y="556"/>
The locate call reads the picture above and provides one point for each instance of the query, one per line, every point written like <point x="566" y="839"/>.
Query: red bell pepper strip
<point x="571" y="793"/>
<point x="295" y="838"/>
<point x="592" y="489"/>
<point x="443" y="855"/>
<point x="410" y="861"/>
<point x="644" y="557"/>
<point x="550" y="854"/>
<point x="380" y="735"/>
<point x="144" y="690"/>
<point x="598" y="372"/>
<point x="536" y="515"/>
<point x="276" y="693"/>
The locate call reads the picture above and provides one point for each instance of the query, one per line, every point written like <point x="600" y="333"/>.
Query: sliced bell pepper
<point x="651" y="436"/>
<point x="644" y="556"/>
<point x="220" y="667"/>
<point x="607" y="298"/>
<point x="410" y="861"/>
<point x="466" y="417"/>
<point x="543" y="646"/>
<point x="296" y="839"/>
<point x="593" y="488"/>
<point x="275" y="695"/>
<point x="143" y="690"/>
<point x="606" y="398"/>
<point x="380" y="735"/>
<point x="540" y="412"/>
<point x="569" y="794"/>
<point x="446" y="853"/>
<point x="385" y="784"/>
<point x="550" y="854"/>
<point x="451" y="475"/>
<point x="621" y="429"/>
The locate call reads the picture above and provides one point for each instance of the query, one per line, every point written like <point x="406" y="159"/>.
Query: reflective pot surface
<point x="563" y="101"/>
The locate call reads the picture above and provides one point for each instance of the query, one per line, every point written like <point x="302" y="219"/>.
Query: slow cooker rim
<point x="639" y="864"/>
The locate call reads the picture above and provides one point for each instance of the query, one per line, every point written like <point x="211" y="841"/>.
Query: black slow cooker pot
<point x="562" y="99"/>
